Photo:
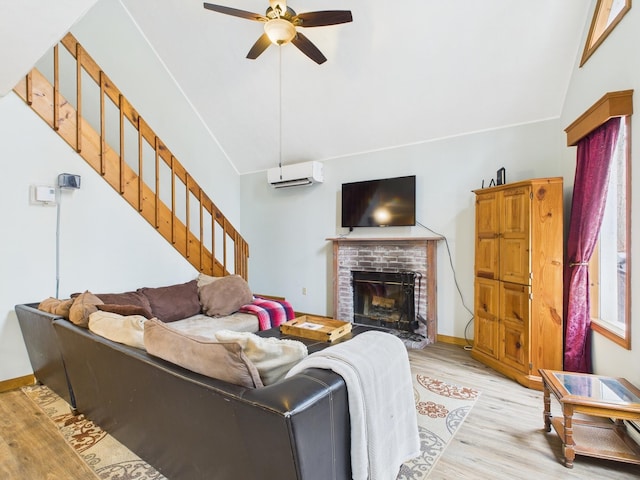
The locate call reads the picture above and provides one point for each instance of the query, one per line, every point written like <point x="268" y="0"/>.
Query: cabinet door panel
<point x="515" y="211"/>
<point x="487" y="257"/>
<point x="515" y="252"/>
<point x="514" y="260"/>
<point x="514" y="328"/>
<point x="486" y="316"/>
<point x="514" y="348"/>
<point x="487" y="242"/>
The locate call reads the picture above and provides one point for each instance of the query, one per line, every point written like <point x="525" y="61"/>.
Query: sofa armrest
<point x="315" y="407"/>
<point x="44" y="350"/>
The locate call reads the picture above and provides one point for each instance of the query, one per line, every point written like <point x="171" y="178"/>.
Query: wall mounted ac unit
<point x="295" y="175"/>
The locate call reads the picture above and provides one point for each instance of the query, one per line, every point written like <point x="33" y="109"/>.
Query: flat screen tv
<point x="385" y="202"/>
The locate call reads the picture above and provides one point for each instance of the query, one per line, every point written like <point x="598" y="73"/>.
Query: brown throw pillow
<point x="125" y="310"/>
<point x="126" y="298"/>
<point x="204" y="279"/>
<point x="48" y="304"/>
<point x="63" y="308"/>
<point x="83" y="306"/>
<point x="225" y="296"/>
<point x="56" y="306"/>
<point x="224" y="361"/>
<point x="174" y="302"/>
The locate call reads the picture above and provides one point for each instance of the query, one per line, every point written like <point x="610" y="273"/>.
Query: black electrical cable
<point x="455" y="280"/>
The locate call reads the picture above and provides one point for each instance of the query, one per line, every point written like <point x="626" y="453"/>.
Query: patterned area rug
<point x="108" y="458"/>
<point x="441" y="409"/>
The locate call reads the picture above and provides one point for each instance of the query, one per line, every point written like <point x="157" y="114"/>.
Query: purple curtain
<point x="587" y="208"/>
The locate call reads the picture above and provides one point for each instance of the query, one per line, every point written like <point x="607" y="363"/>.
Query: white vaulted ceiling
<point x="28" y="29"/>
<point x="401" y="73"/>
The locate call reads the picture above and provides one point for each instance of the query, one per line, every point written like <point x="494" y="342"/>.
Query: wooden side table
<point x="606" y="402"/>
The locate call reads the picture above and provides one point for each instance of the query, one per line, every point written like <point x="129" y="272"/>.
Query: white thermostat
<point x="43" y="194"/>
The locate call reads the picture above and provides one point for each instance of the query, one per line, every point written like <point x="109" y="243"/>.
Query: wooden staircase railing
<point x="187" y="218"/>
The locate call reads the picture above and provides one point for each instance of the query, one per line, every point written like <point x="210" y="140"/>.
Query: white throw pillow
<point x="128" y="330"/>
<point x="273" y="357"/>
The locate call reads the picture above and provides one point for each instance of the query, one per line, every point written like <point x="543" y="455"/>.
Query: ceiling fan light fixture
<point x="278" y="6"/>
<point x="280" y="31"/>
<point x="281" y="23"/>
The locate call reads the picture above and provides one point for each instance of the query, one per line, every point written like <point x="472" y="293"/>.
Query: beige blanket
<point x="384" y="425"/>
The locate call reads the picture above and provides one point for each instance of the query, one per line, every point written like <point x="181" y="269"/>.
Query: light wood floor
<point x="31" y="446"/>
<point x="502" y="437"/>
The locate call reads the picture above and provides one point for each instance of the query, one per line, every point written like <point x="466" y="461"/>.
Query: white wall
<point x="611" y="68"/>
<point x="287" y="228"/>
<point x="105" y="245"/>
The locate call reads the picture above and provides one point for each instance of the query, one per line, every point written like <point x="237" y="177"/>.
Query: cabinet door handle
<point x="518" y="345"/>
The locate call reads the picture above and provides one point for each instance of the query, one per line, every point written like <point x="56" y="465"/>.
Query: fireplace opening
<point x="385" y="299"/>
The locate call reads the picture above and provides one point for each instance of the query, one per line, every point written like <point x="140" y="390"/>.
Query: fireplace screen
<point x="384" y="299"/>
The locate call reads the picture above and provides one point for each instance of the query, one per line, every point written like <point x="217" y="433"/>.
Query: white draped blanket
<point x="384" y="426"/>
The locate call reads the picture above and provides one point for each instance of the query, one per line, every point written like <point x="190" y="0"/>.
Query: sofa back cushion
<point x="225" y="296"/>
<point x="125" y="310"/>
<point x="122" y="329"/>
<point x="222" y="360"/>
<point x="173" y="302"/>
<point x="204" y="279"/>
<point x="126" y="298"/>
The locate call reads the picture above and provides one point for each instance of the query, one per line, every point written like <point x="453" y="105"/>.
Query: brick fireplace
<point x="416" y="255"/>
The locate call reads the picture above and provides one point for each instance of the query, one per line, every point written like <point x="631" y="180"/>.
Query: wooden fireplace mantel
<point x="384" y="239"/>
<point x="429" y="243"/>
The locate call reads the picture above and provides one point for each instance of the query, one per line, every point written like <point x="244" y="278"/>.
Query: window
<point x="606" y="16"/>
<point x="609" y="265"/>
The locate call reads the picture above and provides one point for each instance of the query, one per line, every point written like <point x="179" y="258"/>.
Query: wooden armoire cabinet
<point x="518" y="279"/>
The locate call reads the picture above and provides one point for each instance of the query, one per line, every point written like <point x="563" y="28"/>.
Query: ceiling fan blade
<point x="260" y="46"/>
<point x="323" y="18"/>
<point x="235" y="12"/>
<point x="308" y="48"/>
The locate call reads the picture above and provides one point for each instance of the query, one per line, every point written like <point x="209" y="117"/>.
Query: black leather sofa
<point x="189" y="426"/>
<point x="44" y="350"/>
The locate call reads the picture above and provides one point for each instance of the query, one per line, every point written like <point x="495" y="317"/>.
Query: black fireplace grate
<point x="384" y="299"/>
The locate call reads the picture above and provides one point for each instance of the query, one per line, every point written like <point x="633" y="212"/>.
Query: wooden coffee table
<point x="604" y="402"/>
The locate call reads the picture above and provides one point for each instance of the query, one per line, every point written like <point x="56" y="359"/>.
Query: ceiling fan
<point x="280" y="24"/>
